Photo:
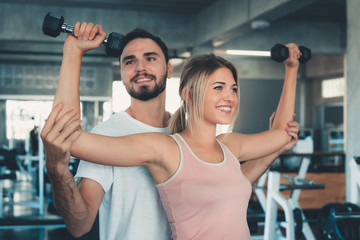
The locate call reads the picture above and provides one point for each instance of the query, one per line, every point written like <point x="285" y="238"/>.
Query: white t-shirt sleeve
<point x="100" y="173"/>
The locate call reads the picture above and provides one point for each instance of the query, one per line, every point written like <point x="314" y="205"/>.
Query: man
<point x="127" y="197"/>
<point x="127" y="200"/>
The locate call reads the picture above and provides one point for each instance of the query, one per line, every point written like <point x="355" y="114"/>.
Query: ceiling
<point x="208" y="27"/>
<point x="323" y="10"/>
<point x="318" y="10"/>
<point x="167" y="6"/>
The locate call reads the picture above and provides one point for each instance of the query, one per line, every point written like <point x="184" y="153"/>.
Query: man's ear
<point x="169" y="70"/>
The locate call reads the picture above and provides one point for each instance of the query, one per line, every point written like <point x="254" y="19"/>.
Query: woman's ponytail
<point x="177" y="121"/>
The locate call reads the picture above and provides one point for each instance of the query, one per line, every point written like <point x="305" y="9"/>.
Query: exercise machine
<point x="295" y="221"/>
<point x="339" y="221"/>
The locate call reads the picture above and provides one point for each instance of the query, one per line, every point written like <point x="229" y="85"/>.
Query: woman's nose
<point x="228" y="95"/>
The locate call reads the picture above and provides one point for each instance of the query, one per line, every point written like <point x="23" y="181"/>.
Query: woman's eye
<point x="151" y="59"/>
<point x="218" y="87"/>
<point x="235" y="90"/>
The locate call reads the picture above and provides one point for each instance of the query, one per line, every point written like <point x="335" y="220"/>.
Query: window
<point x="331" y="88"/>
<point x="22" y="116"/>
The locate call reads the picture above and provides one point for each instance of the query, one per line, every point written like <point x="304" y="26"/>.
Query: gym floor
<point x="22" y="222"/>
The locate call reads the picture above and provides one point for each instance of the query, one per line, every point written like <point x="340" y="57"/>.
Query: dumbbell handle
<point x="67" y="28"/>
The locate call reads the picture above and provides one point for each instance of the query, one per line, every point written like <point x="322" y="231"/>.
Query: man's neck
<point x="151" y="112"/>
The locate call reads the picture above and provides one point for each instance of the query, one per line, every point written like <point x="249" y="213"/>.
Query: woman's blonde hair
<point x="193" y="85"/>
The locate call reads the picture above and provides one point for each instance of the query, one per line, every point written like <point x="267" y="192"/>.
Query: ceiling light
<point x="176" y="61"/>
<point x="248" y="53"/>
<point x="186" y="54"/>
<point x="260" y="24"/>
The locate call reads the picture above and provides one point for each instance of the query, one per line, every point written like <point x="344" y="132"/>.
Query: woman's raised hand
<point x="294" y="55"/>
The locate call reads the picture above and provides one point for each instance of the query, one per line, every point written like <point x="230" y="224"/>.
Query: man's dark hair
<point x="141" y="33"/>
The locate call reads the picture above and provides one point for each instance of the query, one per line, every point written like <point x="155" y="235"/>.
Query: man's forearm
<point x="69" y="202"/>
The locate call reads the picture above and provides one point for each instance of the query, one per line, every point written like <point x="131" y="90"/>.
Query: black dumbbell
<point x="280" y="52"/>
<point x="54" y="24"/>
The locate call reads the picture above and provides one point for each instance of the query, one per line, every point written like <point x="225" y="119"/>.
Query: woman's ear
<point x="186" y="95"/>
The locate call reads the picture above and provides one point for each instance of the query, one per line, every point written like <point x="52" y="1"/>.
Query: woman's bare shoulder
<point x="229" y="138"/>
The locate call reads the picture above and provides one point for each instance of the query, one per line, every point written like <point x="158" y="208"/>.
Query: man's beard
<point x="144" y="93"/>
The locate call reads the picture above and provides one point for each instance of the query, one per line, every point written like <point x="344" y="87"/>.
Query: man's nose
<point x="140" y="66"/>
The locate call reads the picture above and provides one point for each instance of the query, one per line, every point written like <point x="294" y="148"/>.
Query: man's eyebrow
<point x="151" y="54"/>
<point x="127" y="58"/>
<point x="145" y="54"/>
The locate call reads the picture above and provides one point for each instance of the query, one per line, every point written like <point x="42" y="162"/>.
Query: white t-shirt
<point x="131" y="208"/>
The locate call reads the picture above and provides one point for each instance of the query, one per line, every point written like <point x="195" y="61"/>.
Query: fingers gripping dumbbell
<point x="54" y="24"/>
<point x="280" y="53"/>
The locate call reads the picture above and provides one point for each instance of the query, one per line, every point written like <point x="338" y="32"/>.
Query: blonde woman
<point x="202" y="187"/>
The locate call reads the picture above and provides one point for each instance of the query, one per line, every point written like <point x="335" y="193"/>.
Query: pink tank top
<point x="206" y="200"/>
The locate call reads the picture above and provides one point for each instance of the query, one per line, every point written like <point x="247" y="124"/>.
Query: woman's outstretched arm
<point x="255" y="168"/>
<point x="253" y="146"/>
<point x="131" y="150"/>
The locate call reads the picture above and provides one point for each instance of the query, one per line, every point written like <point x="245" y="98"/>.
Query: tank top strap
<point x="226" y="151"/>
<point x="187" y="156"/>
<point x="178" y="139"/>
<point x="183" y="147"/>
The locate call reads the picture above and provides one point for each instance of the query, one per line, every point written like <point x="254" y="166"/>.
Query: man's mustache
<point x="144" y="75"/>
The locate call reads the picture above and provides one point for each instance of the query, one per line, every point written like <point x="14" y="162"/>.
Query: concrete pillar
<point x="3" y="140"/>
<point x="352" y="97"/>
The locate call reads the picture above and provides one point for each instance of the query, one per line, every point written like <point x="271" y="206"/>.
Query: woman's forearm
<point x="286" y="106"/>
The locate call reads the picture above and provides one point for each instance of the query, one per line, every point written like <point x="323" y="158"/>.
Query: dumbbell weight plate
<point x="113" y="44"/>
<point x="52" y="24"/>
<point x="279" y="52"/>
<point x="353" y="225"/>
<point x="327" y="227"/>
<point x="305" y="54"/>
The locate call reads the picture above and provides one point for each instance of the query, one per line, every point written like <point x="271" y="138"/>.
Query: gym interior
<point x="310" y="192"/>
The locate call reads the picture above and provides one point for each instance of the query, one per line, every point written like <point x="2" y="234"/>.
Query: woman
<point x="202" y="188"/>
